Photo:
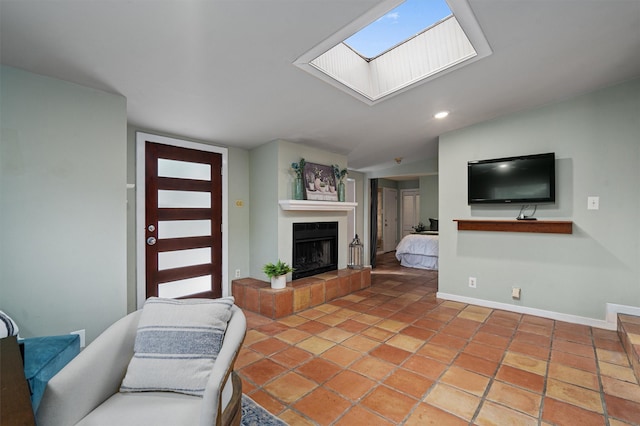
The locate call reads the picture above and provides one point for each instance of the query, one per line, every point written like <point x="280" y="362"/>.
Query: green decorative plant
<point x="276" y="269"/>
<point x="420" y="227"/>
<point x="340" y="173"/>
<point x="298" y="168"/>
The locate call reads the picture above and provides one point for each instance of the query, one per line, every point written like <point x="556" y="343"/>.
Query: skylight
<point x="448" y="39"/>
<point x="397" y="26"/>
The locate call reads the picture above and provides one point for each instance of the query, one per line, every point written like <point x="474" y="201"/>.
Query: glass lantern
<point x="355" y="254"/>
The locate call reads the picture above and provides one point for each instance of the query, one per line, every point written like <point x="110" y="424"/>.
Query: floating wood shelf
<point x="536" y="226"/>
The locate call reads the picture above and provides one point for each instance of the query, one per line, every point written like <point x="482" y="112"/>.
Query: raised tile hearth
<point x="629" y="332"/>
<point x="258" y="296"/>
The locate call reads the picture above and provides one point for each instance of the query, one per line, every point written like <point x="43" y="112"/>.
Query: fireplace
<point x="315" y="248"/>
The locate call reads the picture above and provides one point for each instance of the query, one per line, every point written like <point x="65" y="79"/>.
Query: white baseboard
<point x="609" y="324"/>
<point x="614" y="309"/>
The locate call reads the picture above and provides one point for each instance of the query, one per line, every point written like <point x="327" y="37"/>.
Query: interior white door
<point x="410" y="210"/>
<point x="390" y="219"/>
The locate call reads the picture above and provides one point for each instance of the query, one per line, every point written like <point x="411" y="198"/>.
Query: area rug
<point x="254" y="415"/>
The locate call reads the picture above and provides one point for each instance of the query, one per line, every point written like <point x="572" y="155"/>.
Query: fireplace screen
<point x="315" y="248"/>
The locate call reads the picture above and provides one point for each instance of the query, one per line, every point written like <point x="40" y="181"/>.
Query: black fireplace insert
<point x="315" y="248"/>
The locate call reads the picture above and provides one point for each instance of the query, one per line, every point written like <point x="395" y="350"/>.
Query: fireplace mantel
<point x="312" y="205"/>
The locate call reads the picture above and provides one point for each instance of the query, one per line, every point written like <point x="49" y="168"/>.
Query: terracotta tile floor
<point x="394" y="354"/>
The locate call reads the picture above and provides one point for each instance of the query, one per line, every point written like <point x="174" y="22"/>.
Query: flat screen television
<point x="527" y="179"/>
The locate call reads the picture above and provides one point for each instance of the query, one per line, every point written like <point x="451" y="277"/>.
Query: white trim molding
<point x="312" y="205"/>
<point x="614" y="309"/>
<point x="608" y="324"/>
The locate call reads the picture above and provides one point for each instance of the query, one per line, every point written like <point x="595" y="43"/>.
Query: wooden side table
<point x="15" y="402"/>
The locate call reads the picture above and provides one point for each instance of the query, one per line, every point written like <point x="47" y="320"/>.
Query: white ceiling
<point x="222" y="70"/>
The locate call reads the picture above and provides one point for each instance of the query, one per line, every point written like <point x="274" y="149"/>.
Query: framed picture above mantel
<point x="319" y="182"/>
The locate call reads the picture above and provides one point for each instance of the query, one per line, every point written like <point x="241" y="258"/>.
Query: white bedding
<point x="418" y="251"/>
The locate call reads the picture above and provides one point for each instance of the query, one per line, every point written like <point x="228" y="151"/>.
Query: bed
<point x="419" y="251"/>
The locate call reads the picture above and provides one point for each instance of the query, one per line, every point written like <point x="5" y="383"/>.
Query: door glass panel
<point x="180" y="258"/>
<point x="183" y="228"/>
<point x="183" y="199"/>
<point x="186" y="287"/>
<point x="183" y="169"/>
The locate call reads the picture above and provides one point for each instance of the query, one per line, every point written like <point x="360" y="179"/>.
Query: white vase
<point x="279" y="282"/>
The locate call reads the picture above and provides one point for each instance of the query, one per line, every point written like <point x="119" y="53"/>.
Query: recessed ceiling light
<point x="440" y="115"/>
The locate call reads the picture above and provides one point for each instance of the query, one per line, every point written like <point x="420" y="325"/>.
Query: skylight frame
<point x="395" y="46"/>
<point x="462" y="13"/>
<point x="406" y="39"/>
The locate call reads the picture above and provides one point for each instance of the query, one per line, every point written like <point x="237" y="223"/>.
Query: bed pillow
<point x="8" y="327"/>
<point x="177" y="343"/>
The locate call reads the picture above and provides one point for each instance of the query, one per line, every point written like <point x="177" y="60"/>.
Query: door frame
<point x="351" y="214"/>
<point x="141" y="138"/>
<point x="386" y="243"/>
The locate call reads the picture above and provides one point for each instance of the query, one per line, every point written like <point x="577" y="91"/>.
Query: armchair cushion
<point x="177" y="343"/>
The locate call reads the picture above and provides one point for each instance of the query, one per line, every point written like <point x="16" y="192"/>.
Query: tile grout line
<point x="605" y="412"/>
<point x="546" y="373"/>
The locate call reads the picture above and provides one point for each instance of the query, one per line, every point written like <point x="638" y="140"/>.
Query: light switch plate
<point x="515" y="293"/>
<point x="593" y="203"/>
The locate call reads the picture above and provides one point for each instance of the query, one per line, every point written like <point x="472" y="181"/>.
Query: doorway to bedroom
<point x="417" y="202"/>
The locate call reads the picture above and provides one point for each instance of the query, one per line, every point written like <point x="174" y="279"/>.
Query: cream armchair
<point x="86" y="391"/>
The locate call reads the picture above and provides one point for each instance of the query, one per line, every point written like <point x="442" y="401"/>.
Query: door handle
<point x="151" y="241"/>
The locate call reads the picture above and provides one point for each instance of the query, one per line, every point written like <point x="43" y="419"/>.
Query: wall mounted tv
<point x="527" y="179"/>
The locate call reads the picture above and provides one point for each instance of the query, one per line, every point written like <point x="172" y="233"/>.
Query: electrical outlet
<point x="80" y="333"/>
<point x="237" y="273"/>
<point x="472" y="282"/>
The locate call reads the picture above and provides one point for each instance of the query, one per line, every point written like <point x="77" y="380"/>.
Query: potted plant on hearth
<point x="278" y="273"/>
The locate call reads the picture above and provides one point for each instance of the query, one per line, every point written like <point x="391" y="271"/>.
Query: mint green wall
<point x="131" y="220"/>
<point x="263" y="206"/>
<point x="63" y="205"/>
<point x="362" y="207"/>
<point x="428" y="198"/>
<point x="239" y="215"/>
<point x="387" y="183"/>
<point x="408" y="184"/>
<point x="596" y="141"/>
